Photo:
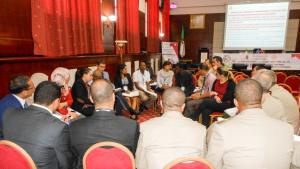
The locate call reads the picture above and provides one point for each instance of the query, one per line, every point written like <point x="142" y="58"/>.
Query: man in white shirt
<point x="272" y="106"/>
<point x="250" y="139"/>
<point x="288" y="101"/>
<point x="171" y="136"/>
<point x="141" y="80"/>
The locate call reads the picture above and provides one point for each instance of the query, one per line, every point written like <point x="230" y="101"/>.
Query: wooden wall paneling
<point x="15" y="28"/>
<point x="295" y="14"/>
<point x="10" y="67"/>
<point x="108" y="28"/>
<point x="143" y="39"/>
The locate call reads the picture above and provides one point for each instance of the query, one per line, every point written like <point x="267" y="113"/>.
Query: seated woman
<point x="61" y="77"/>
<point x="124" y="81"/>
<point x="222" y="96"/>
<point x="81" y="100"/>
<point x="165" y="77"/>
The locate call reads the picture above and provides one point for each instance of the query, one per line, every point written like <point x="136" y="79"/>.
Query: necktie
<point x="25" y="105"/>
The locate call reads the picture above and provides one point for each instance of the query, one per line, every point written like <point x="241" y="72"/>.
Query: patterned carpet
<point x="145" y="115"/>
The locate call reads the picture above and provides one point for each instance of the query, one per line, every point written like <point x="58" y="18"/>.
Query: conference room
<point x="150" y="84"/>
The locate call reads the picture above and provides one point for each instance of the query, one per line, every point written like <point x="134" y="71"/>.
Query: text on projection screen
<point x="250" y="26"/>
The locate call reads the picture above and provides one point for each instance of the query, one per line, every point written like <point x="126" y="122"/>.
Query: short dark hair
<point x="101" y="92"/>
<point x="248" y="92"/>
<point x="81" y="71"/>
<point x="46" y="92"/>
<point x="18" y="84"/>
<point x="166" y="63"/>
<point x="100" y="62"/>
<point x="259" y="67"/>
<point x="219" y="59"/>
<point x="204" y="66"/>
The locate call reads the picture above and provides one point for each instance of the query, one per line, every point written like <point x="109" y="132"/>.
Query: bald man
<point x="251" y="139"/>
<point x="103" y="125"/>
<point x="171" y="136"/>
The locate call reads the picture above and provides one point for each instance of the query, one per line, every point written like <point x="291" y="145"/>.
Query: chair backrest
<point x="108" y="155"/>
<point x="281" y="76"/>
<point x="37" y="78"/>
<point x="239" y="78"/>
<point x="286" y="86"/>
<point x="72" y="77"/>
<point x="294" y="82"/>
<point x="14" y="157"/>
<point x="189" y="163"/>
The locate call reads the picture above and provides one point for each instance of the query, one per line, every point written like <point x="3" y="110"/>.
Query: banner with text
<point x="170" y="52"/>
<point x="278" y="61"/>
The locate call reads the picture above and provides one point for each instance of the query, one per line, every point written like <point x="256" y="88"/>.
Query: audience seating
<point x="37" y="78"/>
<point x="189" y="163"/>
<point x="239" y="78"/>
<point x="214" y="116"/>
<point x="14" y="157"/>
<point x="72" y="77"/>
<point x="108" y="155"/>
<point x="294" y="82"/>
<point x="281" y="76"/>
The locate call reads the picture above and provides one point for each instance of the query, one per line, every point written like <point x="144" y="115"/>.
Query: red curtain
<point x="166" y="20"/>
<point x="132" y="26"/>
<point x="152" y="26"/>
<point x="128" y="24"/>
<point x="66" y="27"/>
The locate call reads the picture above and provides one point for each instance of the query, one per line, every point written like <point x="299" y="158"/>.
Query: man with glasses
<point x="20" y="88"/>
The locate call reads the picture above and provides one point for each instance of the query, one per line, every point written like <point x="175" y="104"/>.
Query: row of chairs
<point x="104" y="155"/>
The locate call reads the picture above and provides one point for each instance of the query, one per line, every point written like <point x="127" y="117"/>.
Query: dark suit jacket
<point x="44" y="137"/>
<point x="79" y="91"/>
<point x="102" y="126"/>
<point x="185" y="79"/>
<point x="118" y="82"/>
<point x="9" y="101"/>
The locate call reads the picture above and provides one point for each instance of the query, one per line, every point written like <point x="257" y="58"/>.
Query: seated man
<point x="20" y="88"/>
<point x="251" y="139"/>
<point x="44" y="137"/>
<point x="208" y="80"/>
<point x="288" y="101"/>
<point x="141" y="80"/>
<point x="184" y="79"/>
<point x="171" y="136"/>
<point x="271" y="106"/>
<point x="100" y="72"/>
<point x="103" y="125"/>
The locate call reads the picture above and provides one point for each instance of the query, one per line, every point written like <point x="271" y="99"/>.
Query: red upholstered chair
<point x="287" y="87"/>
<point x="14" y="157"/>
<point x="281" y="76"/>
<point x="108" y="155"/>
<point x="214" y="116"/>
<point x="294" y="82"/>
<point x="239" y="78"/>
<point x="189" y="163"/>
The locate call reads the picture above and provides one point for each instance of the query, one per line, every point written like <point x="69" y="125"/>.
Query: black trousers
<point x="208" y="106"/>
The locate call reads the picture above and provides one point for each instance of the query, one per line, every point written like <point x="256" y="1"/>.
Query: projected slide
<point x="250" y="26"/>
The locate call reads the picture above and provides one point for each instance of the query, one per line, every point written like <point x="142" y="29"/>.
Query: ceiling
<point x="215" y="6"/>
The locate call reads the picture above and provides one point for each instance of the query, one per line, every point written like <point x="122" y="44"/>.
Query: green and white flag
<point x="182" y="45"/>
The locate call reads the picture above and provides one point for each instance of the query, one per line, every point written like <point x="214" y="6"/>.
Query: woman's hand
<point x="213" y="93"/>
<point x="218" y="100"/>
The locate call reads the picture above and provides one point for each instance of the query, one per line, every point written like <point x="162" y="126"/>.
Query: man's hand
<point x="195" y="96"/>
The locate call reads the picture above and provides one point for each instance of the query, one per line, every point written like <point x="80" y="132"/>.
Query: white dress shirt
<point x="141" y="78"/>
<point x="22" y="101"/>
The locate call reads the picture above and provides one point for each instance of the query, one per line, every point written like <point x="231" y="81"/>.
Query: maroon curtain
<point x="166" y="20"/>
<point x="132" y="26"/>
<point x="121" y="20"/>
<point x="128" y="24"/>
<point x="152" y="26"/>
<point x="66" y="27"/>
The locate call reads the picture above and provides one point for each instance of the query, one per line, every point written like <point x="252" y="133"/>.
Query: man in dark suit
<point x="44" y="137"/>
<point x="103" y="125"/>
<point x="184" y="79"/>
<point x="20" y="88"/>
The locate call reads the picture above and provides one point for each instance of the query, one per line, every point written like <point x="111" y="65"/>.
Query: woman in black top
<point x="124" y="81"/>
<point x="81" y="99"/>
<point x="222" y="96"/>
